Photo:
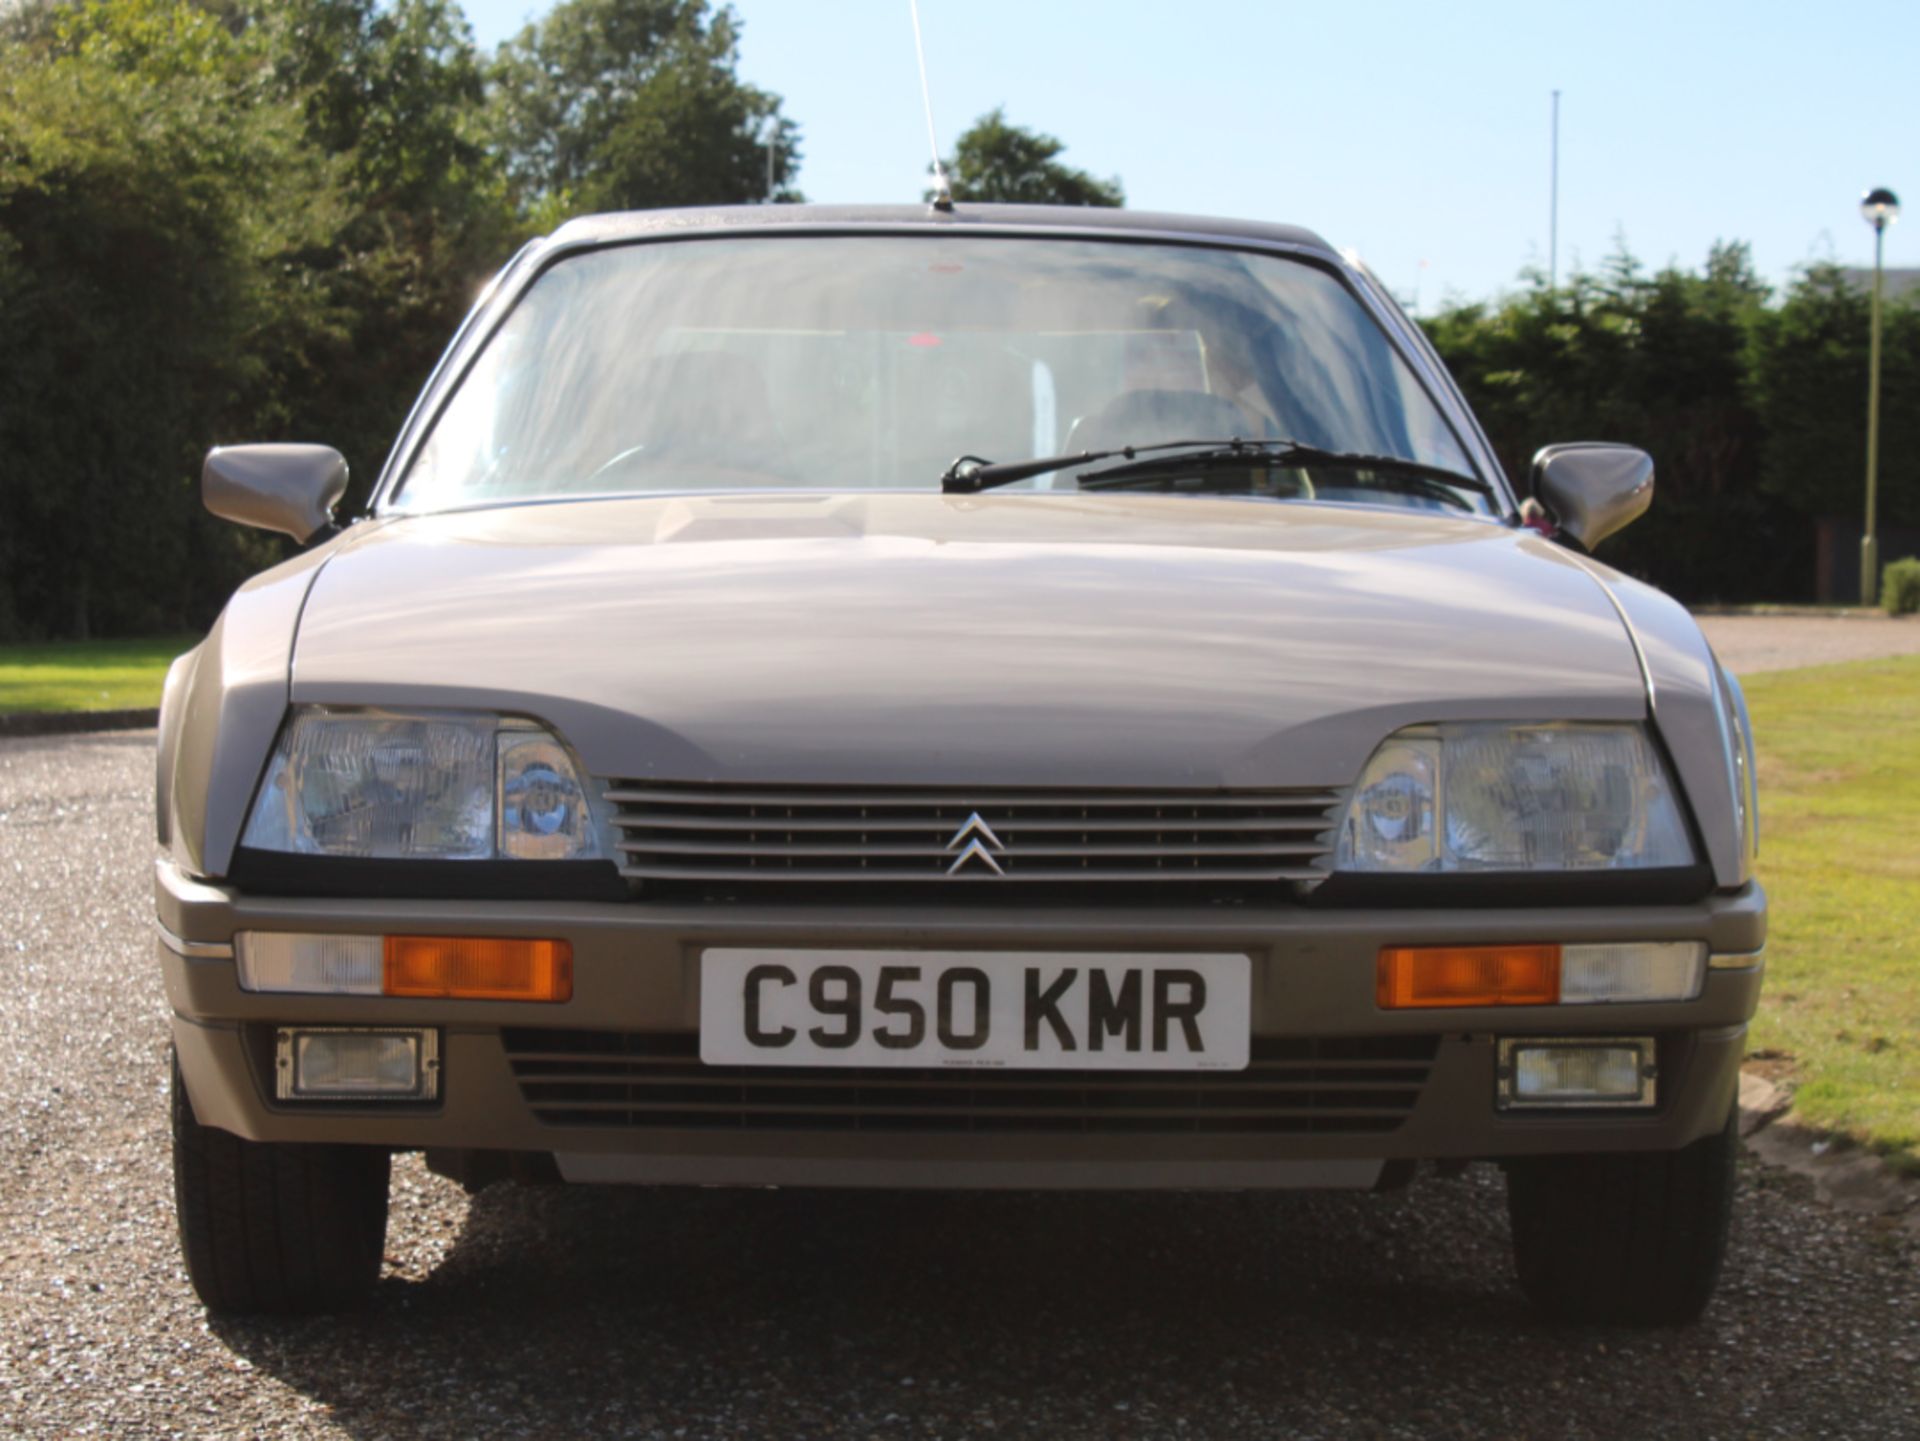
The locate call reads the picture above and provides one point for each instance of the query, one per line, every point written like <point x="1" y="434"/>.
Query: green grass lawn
<point x="87" y="675"/>
<point x="1840" y="856"/>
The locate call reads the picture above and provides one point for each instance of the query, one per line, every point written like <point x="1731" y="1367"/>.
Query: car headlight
<point x="445" y="786"/>
<point x="1490" y="796"/>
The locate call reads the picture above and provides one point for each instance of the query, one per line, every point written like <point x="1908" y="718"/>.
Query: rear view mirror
<point x="289" y="488"/>
<point x="1592" y="488"/>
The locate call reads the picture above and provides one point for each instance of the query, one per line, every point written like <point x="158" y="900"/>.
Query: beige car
<point x="990" y="697"/>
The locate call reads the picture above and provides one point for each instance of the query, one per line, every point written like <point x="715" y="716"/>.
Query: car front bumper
<point x="636" y="988"/>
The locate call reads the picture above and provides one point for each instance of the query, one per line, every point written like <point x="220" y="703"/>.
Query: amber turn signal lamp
<point x="1413" y="977"/>
<point x="478" y="968"/>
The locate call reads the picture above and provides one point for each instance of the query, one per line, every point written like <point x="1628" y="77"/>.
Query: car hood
<point x="979" y="640"/>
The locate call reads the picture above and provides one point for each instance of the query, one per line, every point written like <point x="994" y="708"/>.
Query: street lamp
<point x="1880" y="207"/>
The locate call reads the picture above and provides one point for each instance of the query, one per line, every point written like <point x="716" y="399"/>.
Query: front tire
<point x="1630" y="1239"/>
<point x="275" y="1226"/>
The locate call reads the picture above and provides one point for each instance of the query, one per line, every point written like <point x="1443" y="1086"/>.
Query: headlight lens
<point x="544" y="814"/>
<point x="446" y="787"/>
<point x="1489" y="796"/>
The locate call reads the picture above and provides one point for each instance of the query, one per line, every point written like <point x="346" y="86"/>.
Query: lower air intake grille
<point x="612" y="1078"/>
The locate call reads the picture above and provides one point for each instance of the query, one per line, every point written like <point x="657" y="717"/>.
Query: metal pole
<point x="773" y="139"/>
<point x="1553" y="204"/>
<point x="1869" y="542"/>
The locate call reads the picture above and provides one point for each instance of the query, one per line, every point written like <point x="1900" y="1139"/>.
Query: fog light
<point x="347" y="1063"/>
<point x="1577" y="1071"/>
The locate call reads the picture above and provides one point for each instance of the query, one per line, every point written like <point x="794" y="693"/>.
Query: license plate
<point x="1038" y="1010"/>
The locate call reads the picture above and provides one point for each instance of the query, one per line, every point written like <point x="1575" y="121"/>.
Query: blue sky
<point x="1412" y="133"/>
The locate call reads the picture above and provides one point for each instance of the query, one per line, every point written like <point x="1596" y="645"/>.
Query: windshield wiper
<point x="971" y="474"/>
<point x="1290" y="454"/>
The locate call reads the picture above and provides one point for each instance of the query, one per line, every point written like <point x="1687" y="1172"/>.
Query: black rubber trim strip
<point x="1665" y="886"/>
<point x="278" y="874"/>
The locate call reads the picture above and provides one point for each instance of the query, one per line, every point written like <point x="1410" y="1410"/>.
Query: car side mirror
<point x="289" y="488"/>
<point x="1592" y="488"/>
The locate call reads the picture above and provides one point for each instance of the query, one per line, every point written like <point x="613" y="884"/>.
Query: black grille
<point x="613" y="1078"/>
<point x="813" y="835"/>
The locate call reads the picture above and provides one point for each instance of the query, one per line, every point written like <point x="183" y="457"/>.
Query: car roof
<point x="638" y="224"/>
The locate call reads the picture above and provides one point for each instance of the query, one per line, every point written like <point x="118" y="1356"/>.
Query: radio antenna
<point x="942" y="189"/>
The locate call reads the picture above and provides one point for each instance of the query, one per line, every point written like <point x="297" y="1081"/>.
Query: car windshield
<point x="849" y="362"/>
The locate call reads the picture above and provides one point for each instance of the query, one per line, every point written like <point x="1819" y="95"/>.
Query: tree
<point x="392" y="93"/>
<point x="634" y="104"/>
<point x="230" y="220"/>
<point x="995" y="161"/>
<point x="1661" y="362"/>
<point x="150" y="193"/>
<point x="1808" y="363"/>
<point x="395" y="87"/>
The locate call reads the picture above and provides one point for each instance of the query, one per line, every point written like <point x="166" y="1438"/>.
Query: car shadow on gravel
<point x="583" y="1310"/>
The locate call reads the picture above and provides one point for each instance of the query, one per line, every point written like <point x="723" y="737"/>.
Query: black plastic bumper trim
<point x="278" y="874"/>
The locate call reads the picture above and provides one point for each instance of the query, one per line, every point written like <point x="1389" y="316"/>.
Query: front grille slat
<point x="656" y="1080"/>
<point x="731" y="1109"/>
<point x="663" y="820"/>
<point x="815" y="851"/>
<point x="640" y="1070"/>
<point x="821" y="1081"/>
<point x="678" y="1047"/>
<point x="822" y="836"/>
<point x="832" y="877"/>
<point x="699" y="794"/>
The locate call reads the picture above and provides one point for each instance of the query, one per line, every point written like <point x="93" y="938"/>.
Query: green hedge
<point x="1900" y="587"/>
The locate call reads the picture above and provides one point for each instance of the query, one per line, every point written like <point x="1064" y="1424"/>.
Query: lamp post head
<point x="1880" y="207"/>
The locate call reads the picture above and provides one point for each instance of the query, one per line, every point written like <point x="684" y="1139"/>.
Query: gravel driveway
<point x="1749" y="643"/>
<point x="755" y="1314"/>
